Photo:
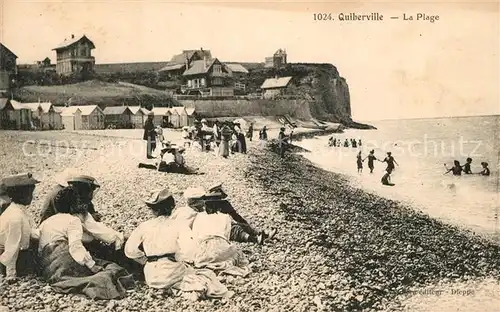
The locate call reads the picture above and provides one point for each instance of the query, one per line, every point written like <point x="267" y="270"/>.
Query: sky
<point x="394" y="68"/>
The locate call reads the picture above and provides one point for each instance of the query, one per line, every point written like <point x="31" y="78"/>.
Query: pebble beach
<point x="338" y="248"/>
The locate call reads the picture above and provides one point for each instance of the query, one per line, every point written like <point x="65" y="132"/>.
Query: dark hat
<point x="84" y="179"/>
<point x="389" y="153"/>
<point x="372" y="151"/>
<point x="23" y="179"/>
<point x="158" y="197"/>
<point x="282" y="128"/>
<point x="484" y="163"/>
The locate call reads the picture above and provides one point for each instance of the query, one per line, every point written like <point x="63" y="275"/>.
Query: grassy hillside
<point x="94" y="92"/>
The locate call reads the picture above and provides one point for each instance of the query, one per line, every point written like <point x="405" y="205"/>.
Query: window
<point x="217" y="81"/>
<point x="217" y="69"/>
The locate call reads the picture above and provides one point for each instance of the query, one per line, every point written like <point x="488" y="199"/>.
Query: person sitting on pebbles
<point x="16" y="225"/>
<point x="64" y="261"/>
<point x="198" y="200"/>
<point x="162" y="239"/>
<point x="171" y="160"/>
<point x="86" y="187"/>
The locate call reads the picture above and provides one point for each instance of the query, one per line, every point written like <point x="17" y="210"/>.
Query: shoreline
<point x="377" y="248"/>
<point x="317" y="262"/>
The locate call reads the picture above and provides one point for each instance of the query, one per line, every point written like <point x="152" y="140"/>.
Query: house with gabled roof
<point x="278" y="59"/>
<point x="74" y="55"/>
<point x="274" y="87"/>
<point x="208" y="77"/>
<point x="180" y="62"/>
<point x="7" y="60"/>
<point x="117" y="117"/>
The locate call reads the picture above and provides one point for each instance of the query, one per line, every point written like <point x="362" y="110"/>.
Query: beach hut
<point x="118" y="116"/>
<point x="5" y="109"/>
<point x="174" y="118"/>
<point x="92" y="117"/>
<point x="71" y="118"/>
<point x="161" y="115"/>
<point x="20" y="116"/>
<point x="138" y="114"/>
<point x="43" y="115"/>
<point x="183" y="117"/>
<point x="57" y="117"/>
<point x="191" y="116"/>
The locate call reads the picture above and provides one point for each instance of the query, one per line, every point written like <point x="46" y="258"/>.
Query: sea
<point x="421" y="147"/>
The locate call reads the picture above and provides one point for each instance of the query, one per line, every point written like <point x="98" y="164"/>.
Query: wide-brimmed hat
<point x="23" y="179"/>
<point x="194" y="193"/>
<point x="216" y="191"/>
<point x="81" y="178"/>
<point x="158" y="197"/>
<point x="484" y="164"/>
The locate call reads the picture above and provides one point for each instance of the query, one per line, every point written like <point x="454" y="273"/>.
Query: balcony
<point x="220" y="74"/>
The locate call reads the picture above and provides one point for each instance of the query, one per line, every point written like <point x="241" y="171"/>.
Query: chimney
<point x="205" y="61"/>
<point x="72" y="36"/>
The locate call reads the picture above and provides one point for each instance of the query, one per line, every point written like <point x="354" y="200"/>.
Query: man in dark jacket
<point x="149" y="135"/>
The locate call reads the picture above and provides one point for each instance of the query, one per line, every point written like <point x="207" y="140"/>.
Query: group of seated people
<point x="181" y="248"/>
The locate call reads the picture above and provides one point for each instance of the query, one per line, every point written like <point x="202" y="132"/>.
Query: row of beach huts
<point x="46" y="116"/>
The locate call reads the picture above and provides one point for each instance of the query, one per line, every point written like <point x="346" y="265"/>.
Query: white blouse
<point x="158" y="236"/>
<point x="215" y="224"/>
<point x="63" y="226"/>
<point x="16" y="228"/>
<point x="184" y="213"/>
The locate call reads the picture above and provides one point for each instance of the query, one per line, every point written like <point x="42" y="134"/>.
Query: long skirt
<point x="224" y="148"/>
<point x="242" y="144"/>
<point x="65" y="275"/>
<point x="218" y="254"/>
<point x="166" y="273"/>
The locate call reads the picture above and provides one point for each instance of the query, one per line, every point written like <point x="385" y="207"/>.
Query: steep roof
<point x="3" y="103"/>
<point x="45" y="106"/>
<point x="136" y="109"/>
<point x="160" y="111"/>
<point x="18" y="105"/>
<point x="87" y="109"/>
<point x="190" y="111"/>
<point x="70" y="111"/>
<point x="237" y="68"/>
<point x="172" y="67"/>
<point x="145" y="111"/>
<point x="4" y="48"/>
<point x="271" y="83"/>
<point x="198" y="67"/>
<point x="67" y="43"/>
<point x="58" y="109"/>
<point x="178" y="109"/>
<point x="188" y="54"/>
<point x="116" y="110"/>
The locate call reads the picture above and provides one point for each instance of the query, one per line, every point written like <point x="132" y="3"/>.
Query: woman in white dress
<point x="160" y="239"/>
<point x="17" y="228"/>
<point x="67" y="265"/>
<point x="210" y="233"/>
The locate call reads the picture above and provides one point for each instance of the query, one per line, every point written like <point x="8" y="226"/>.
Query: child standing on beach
<point x="359" y="162"/>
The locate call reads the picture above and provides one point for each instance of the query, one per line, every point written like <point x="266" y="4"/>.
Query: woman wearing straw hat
<point x="65" y="262"/>
<point x="86" y="187"/>
<point x="162" y="238"/>
<point x="16" y="226"/>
